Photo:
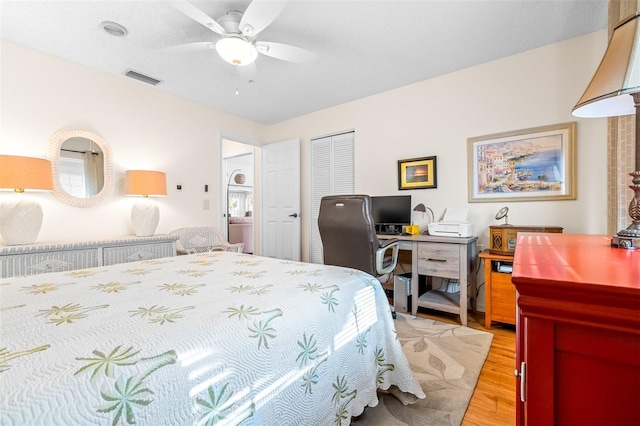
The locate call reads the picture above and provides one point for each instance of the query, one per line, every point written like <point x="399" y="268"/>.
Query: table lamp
<point x="615" y="90"/>
<point x="21" y="216"/>
<point x="145" y="215"/>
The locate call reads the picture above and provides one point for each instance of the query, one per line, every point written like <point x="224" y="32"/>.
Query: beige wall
<point x="436" y="116"/>
<point x="150" y="129"/>
<point x="146" y="129"/>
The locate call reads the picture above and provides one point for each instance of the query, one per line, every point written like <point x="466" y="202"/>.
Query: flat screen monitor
<point x="391" y="210"/>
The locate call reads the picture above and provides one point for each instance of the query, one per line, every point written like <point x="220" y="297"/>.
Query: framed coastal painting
<point x="417" y="173"/>
<point x="537" y="164"/>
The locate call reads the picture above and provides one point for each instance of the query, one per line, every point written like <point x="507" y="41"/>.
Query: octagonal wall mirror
<point x="82" y="167"/>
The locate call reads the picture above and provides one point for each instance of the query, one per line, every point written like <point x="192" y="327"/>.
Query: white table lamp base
<point x="20" y="220"/>
<point x="145" y="217"/>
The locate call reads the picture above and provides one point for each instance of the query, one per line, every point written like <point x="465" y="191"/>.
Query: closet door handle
<point x="294" y="215"/>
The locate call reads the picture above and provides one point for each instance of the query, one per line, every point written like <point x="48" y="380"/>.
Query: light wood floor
<point x="493" y="402"/>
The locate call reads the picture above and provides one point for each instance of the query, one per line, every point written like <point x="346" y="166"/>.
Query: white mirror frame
<point x="55" y="143"/>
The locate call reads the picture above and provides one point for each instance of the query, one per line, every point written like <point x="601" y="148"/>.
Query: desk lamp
<point x="615" y="90"/>
<point x="21" y="217"/>
<point x="423" y="209"/>
<point x="145" y="215"/>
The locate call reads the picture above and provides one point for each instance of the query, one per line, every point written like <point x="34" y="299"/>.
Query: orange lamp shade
<point x="20" y="173"/>
<point x="145" y="183"/>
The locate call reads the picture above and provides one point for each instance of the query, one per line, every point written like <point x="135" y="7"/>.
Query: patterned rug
<point x="446" y="359"/>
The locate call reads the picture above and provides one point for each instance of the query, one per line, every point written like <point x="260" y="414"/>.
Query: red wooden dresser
<point x="578" y="331"/>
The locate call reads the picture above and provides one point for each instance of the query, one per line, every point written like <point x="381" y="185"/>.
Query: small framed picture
<point x="417" y="173"/>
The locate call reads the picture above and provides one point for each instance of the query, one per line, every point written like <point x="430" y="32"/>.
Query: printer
<point x="454" y="224"/>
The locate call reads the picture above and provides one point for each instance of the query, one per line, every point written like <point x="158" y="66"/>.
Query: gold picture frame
<point x="536" y="164"/>
<point x="417" y="173"/>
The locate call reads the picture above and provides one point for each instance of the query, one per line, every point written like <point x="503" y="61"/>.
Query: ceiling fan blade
<point x="285" y="52"/>
<point x="197" y="15"/>
<point x="259" y="15"/>
<point x="198" y="46"/>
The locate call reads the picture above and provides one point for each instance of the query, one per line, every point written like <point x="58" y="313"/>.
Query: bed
<point x="215" y="338"/>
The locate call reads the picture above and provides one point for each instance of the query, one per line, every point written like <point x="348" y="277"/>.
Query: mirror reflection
<point x="81" y="167"/>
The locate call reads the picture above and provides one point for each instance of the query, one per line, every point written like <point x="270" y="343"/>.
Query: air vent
<point x="114" y="29"/>
<point x="141" y="77"/>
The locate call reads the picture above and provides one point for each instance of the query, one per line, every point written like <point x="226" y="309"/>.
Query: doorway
<point x="238" y="193"/>
<point x="276" y="183"/>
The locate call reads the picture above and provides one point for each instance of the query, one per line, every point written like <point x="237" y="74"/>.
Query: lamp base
<point x="145" y="217"/>
<point x="630" y="243"/>
<point x="20" y="220"/>
<point x="629" y="238"/>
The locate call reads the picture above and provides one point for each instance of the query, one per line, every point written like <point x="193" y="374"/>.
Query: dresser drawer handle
<point x="436" y="260"/>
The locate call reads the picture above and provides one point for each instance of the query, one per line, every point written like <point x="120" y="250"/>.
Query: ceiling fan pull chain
<point x="236" y="73"/>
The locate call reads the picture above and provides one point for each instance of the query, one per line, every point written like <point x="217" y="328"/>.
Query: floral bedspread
<point x="216" y="338"/>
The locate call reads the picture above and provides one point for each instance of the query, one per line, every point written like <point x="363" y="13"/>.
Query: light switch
<point x="205" y="204"/>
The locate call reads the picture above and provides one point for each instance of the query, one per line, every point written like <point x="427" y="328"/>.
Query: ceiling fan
<point x="238" y="31"/>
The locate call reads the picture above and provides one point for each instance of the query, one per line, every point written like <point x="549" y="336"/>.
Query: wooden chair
<point x="202" y="239"/>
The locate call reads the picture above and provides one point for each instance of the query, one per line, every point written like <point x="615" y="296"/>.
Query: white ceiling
<point x="364" y="46"/>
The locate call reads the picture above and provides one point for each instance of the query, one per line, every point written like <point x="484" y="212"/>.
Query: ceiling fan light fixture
<point x="236" y="51"/>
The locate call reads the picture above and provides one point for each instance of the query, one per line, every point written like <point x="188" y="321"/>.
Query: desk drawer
<point x="439" y="260"/>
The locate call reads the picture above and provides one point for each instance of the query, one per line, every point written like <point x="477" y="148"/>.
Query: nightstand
<point x="499" y="292"/>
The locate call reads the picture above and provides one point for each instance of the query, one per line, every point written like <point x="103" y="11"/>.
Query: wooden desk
<point x="499" y="292"/>
<point x="578" y="331"/>
<point x="446" y="257"/>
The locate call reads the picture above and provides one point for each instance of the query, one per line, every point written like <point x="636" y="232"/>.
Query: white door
<point x="281" y="200"/>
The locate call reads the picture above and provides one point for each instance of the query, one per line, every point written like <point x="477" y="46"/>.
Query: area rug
<point x="447" y="360"/>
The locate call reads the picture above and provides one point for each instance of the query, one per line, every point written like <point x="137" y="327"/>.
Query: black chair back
<point x="348" y="232"/>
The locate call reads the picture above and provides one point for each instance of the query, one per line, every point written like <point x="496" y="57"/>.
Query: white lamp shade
<point x="236" y="51"/>
<point x="617" y="77"/>
<point x="145" y="217"/>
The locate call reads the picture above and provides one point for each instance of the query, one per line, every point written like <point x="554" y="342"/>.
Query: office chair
<point x="349" y="237"/>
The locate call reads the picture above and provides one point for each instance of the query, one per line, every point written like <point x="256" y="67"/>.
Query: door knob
<point x="293" y="215"/>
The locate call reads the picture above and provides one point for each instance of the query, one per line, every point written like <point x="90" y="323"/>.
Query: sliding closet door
<point x="332" y="173"/>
